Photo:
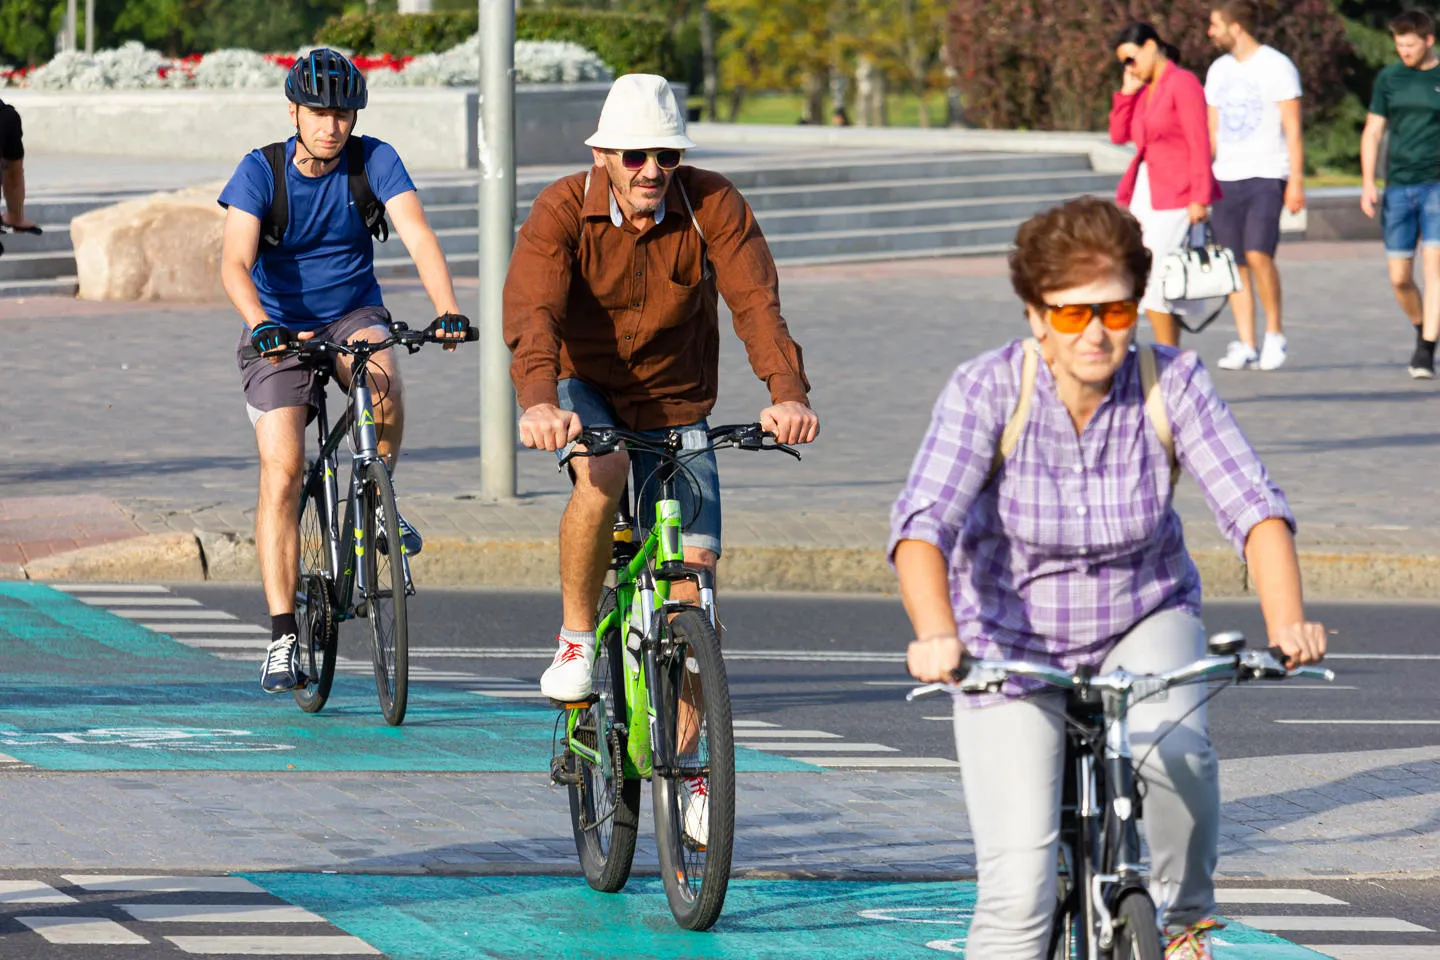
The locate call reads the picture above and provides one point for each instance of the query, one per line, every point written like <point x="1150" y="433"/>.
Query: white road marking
<point x="219" y="913"/>
<point x="1333" y="924"/>
<point x="227" y="643"/>
<point x="81" y="930"/>
<point x="1232" y="895"/>
<point x="139" y="601"/>
<point x="128" y="883"/>
<point x="322" y="946"/>
<point x="824" y="746"/>
<point x="898" y="762"/>
<point x="1364" y="723"/>
<point x="31" y="891"/>
<point x="109" y="588"/>
<point x="6" y="758"/>
<point x="777" y="734"/>
<point x="173" y="628"/>
<point x="512" y="694"/>
<point x="1374" y="952"/>
<point x="174" y="614"/>
<point x="752" y="723"/>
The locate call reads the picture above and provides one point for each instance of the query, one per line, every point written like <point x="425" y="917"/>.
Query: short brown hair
<point x="1068" y="245"/>
<point x="1413" y="22"/>
<point x="1244" y="12"/>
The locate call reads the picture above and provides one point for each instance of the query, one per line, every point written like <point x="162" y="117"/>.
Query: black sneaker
<point x="280" y="671"/>
<point x="1422" y="362"/>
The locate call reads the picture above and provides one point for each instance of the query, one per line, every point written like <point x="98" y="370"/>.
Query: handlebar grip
<point x="967" y="663"/>
<point x="1280" y="655"/>
<point x="471" y="335"/>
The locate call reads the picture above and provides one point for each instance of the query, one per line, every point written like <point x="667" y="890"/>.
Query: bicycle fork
<point x="1119" y="861"/>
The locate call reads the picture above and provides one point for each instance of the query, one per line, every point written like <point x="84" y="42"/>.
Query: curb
<point x="454" y="562"/>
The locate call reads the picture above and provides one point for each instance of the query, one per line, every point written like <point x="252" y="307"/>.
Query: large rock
<point x="162" y="247"/>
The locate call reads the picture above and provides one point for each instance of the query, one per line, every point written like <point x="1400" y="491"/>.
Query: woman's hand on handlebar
<point x="547" y="427"/>
<point x="791" y="422"/>
<point x="934" y="659"/>
<point x="1302" y="642"/>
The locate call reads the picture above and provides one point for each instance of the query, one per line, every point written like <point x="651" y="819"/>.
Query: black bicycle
<point x="660" y="706"/>
<point x="350" y="569"/>
<point x="1104" y="910"/>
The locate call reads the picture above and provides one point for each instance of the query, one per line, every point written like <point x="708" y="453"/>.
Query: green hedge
<point x="627" y="42"/>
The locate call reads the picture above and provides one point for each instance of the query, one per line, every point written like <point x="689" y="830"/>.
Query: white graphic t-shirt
<point x="1248" y="95"/>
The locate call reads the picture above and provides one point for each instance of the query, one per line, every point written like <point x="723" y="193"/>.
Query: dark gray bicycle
<point x="1104" y="910"/>
<point x="358" y="567"/>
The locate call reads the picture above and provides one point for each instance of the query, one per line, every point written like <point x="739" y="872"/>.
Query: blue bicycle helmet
<point x="326" y="80"/>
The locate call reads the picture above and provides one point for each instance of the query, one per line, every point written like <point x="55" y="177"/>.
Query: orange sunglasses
<point x="1075" y="317"/>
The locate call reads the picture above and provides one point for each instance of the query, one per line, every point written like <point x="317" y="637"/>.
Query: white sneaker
<point x="695" y="809"/>
<point x="1272" y="354"/>
<point x="567" y="679"/>
<point x="1240" y="357"/>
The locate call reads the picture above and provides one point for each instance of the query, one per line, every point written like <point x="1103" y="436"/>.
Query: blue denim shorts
<point x="1412" y="218"/>
<point x="698" y="490"/>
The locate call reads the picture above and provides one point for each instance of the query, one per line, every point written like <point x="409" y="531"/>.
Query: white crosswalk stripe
<point x="1303" y="928"/>
<point x="334" y="946"/>
<point x="1279" y="924"/>
<point x="1252" y="895"/>
<point x="218" y="913"/>
<point x="31" y="891"/>
<point x="127" y="883"/>
<point x="78" y="930"/>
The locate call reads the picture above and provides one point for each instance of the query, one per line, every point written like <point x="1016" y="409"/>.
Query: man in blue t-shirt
<point x="318" y="280"/>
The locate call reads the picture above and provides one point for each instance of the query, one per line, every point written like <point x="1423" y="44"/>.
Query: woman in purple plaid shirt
<point x="1071" y="553"/>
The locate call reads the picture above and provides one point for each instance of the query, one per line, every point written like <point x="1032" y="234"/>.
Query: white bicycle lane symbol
<point x="184" y="739"/>
<point x="938" y="916"/>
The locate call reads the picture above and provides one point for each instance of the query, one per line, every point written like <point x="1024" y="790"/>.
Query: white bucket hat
<point x="640" y="113"/>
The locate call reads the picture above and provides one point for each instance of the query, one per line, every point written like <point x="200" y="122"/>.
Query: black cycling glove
<point x="269" y="336"/>
<point x="450" y="323"/>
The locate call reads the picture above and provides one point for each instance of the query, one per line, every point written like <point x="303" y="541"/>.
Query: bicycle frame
<point x="642" y="586"/>
<point x="346" y="544"/>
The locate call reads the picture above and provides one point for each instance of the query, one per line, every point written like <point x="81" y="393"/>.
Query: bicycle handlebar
<point x="986" y="676"/>
<point x="600" y="441"/>
<point x="400" y="335"/>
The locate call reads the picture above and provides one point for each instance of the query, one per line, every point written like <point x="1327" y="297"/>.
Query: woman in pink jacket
<point x="1161" y="107"/>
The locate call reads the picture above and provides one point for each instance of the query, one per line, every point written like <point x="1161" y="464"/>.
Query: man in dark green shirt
<point x="1407" y="102"/>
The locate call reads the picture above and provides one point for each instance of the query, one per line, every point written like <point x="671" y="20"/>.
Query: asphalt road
<point x="839" y="667"/>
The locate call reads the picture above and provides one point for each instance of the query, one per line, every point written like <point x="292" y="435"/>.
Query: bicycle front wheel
<point x="384" y="598"/>
<point x="604" y="805"/>
<point x="1137" y="932"/>
<point x="314" y="600"/>
<point x="695" y="806"/>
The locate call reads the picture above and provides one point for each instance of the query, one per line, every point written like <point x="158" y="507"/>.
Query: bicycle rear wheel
<point x="385" y="592"/>
<point x="695" y="700"/>
<point x="1137" y="932"/>
<point x="604" y="805"/>
<point x="314" y="600"/>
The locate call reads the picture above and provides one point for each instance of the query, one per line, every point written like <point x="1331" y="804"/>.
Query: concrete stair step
<point x="912" y="167"/>
<point x="56" y="238"/>
<point x="896" y="241"/>
<point x="925" y="253"/>
<point x="52" y="287"/>
<point x="36" y="266"/>
<point x="944" y="188"/>
<point x="779" y="223"/>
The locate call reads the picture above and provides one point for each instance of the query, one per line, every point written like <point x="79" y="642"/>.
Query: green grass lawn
<point x="784" y="108"/>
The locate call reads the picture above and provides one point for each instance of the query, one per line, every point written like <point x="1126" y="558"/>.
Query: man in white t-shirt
<point x="1253" y="93"/>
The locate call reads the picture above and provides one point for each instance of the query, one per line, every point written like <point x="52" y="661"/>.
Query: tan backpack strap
<point x="1155" y="408"/>
<point x="706" y="270"/>
<point x="1010" y="438"/>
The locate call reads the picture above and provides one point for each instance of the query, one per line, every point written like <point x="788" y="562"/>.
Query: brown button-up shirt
<point x="632" y="313"/>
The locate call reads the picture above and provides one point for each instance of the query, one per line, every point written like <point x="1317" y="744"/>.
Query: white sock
<point x="577" y="636"/>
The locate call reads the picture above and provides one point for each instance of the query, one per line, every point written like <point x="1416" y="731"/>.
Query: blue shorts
<point x="1412" y="218"/>
<point x="702" y="483"/>
<point x="1247" y="216"/>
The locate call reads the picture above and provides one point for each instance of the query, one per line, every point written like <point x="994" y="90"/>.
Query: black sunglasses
<point x="664" y="159"/>
<point x="1128" y="62"/>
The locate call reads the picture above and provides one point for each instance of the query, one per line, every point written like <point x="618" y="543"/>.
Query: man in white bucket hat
<point x="611" y="314"/>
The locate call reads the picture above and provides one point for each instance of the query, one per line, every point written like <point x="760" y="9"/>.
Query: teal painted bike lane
<point x="458" y="918"/>
<point x="84" y="689"/>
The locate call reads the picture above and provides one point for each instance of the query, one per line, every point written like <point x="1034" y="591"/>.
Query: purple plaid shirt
<point x="1075" y="541"/>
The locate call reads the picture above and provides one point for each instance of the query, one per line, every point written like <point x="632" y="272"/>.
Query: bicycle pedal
<point x="574" y="704"/>
<point x="560" y="771"/>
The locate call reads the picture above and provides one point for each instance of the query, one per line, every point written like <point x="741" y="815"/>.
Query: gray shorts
<point x="698" y="492"/>
<point x="291" y="383"/>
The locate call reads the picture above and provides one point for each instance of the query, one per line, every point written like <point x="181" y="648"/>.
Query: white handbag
<point x="1199" y="272"/>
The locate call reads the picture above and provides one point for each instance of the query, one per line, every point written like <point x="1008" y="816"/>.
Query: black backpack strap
<point x="277" y="218"/>
<point x="372" y="211"/>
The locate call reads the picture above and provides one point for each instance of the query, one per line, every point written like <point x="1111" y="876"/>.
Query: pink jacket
<point x="1172" y="136"/>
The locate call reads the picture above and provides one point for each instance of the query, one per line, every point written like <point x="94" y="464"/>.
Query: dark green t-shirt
<point x="1409" y="100"/>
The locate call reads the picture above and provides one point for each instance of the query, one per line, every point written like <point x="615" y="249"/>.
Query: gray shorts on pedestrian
<point x="289" y="383"/>
<point x="698" y="490"/>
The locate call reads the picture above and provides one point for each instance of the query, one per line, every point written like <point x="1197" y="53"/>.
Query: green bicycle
<point x="660" y="705"/>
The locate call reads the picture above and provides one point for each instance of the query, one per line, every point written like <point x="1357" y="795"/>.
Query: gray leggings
<point x="1011" y="759"/>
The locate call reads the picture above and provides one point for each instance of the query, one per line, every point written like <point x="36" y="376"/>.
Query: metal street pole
<point x="89" y="26"/>
<point x="70" y="34"/>
<point x="497" y="236"/>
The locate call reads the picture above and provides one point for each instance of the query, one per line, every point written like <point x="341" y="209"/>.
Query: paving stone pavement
<point x="142" y="403"/>
<point x="1333" y="814"/>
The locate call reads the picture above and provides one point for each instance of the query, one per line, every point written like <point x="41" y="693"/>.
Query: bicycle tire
<point x="696" y="876"/>
<point x="385" y="593"/>
<point x="319" y="630"/>
<point x="604" y="812"/>
<point x="1137" y="932"/>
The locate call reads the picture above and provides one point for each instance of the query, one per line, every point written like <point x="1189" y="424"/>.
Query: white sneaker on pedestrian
<point x="568" y="679"/>
<point x="695" y="809"/>
<point x="1239" y="357"/>
<point x="1272" y="354"/>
